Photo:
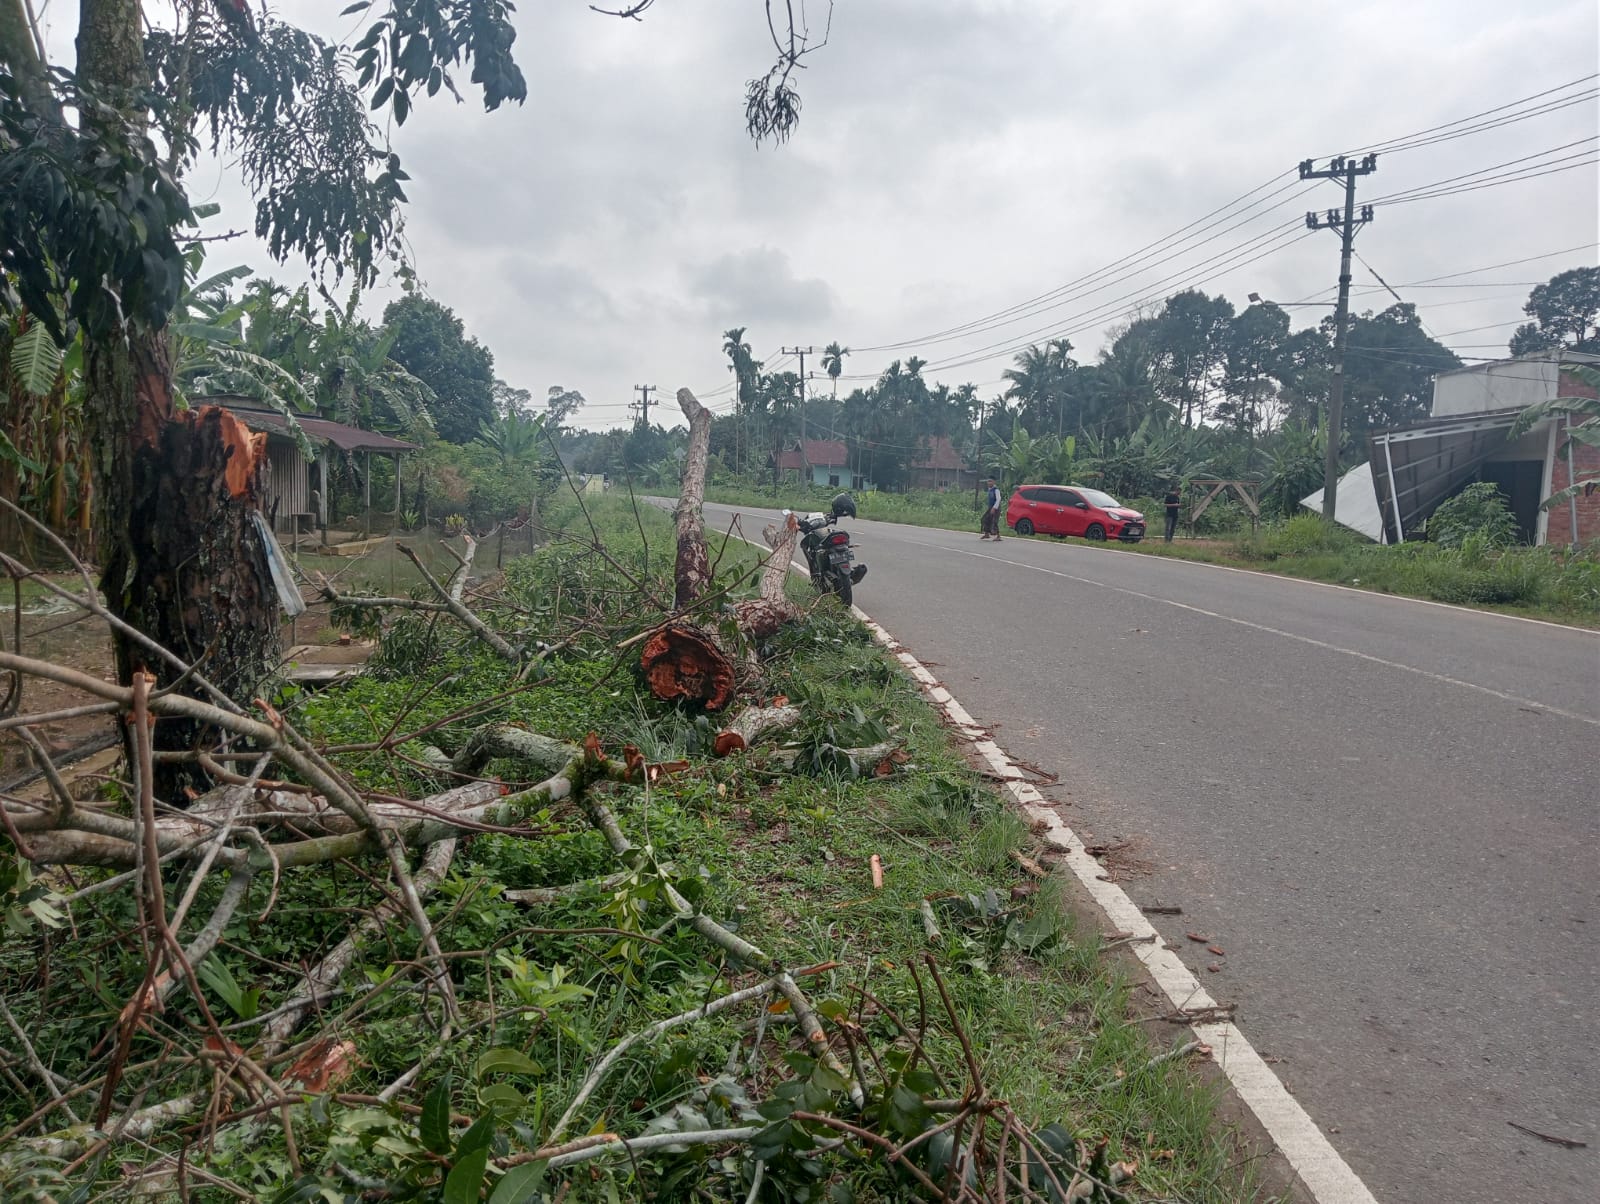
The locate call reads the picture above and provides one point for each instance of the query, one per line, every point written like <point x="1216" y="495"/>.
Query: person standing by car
<point x="991" y="516"/>
<point x="1172" y="501"/>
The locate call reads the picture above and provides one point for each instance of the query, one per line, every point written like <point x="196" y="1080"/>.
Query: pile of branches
<point x="860" y="1078"/>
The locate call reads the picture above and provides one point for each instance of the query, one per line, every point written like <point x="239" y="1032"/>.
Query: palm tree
<point x="1029" y="382"/>
<point x="833" y="364"/>
<point x="746" y="369"/>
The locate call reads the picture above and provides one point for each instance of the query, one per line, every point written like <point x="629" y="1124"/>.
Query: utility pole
<point x="983" y="408"/>
<point x="802" y="352"/>
<point x="1346" y="223"/>
<point x="642" y="406"/>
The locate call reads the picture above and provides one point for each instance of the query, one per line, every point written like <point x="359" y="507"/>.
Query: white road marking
<point x="1325" y="1173"/>
<point x="1444" y="678"/>
<point x="1328" y="1177"/>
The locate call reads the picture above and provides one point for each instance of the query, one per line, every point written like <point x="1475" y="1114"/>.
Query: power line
<point x="1485" y="171"/>
<point x="1293" y="235"/>
<point x="1510" y="263"/>
<point x="1392" y="142"/>
<point x="1545" y="110"/>
<point x="1132" y="258"/>
<point x="1511" y="178"/>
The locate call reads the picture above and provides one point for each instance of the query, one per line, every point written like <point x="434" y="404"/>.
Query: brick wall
<point x="1586" y="460"/>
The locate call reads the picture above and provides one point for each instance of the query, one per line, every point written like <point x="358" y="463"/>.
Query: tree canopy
<point x="1565" y="312"/>
<point x="431" y="343"/>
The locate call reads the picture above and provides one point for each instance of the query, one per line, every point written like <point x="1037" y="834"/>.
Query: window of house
<point x="833" y="480"/>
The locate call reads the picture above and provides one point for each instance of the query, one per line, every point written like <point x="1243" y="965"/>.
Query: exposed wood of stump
<point x="681" y="661"/>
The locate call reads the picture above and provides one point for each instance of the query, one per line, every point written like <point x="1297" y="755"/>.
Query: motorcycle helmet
<point x="844" y="506"/>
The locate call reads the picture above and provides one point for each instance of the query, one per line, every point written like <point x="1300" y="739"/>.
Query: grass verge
<point x="784" y="854"/>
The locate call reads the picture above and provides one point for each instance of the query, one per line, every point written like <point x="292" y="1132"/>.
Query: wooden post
<point x="397" y="456"/>
<point x="366" y="487"/>
<point x="324" y="468"/>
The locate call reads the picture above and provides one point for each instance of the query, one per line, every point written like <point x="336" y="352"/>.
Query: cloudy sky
<point x="958" y="158"/>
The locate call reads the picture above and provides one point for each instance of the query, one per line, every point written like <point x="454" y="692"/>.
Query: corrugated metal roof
<point x="318" y="430"/>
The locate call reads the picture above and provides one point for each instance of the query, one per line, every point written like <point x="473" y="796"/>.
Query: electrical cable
<point x="1382" y="147"/>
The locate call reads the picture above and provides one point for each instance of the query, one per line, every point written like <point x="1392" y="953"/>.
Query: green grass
<point x="782" y="855"/>
<point x="1548" y="583"/>
<point x="955" y="510"/>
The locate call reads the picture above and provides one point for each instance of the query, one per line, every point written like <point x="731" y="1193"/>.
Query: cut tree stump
<point x="681" y="661"/>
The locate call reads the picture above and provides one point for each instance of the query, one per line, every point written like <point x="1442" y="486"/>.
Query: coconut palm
<point x="833" y="363"/>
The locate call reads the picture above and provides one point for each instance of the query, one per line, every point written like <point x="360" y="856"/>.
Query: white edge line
<point x="1326" y="1175"/>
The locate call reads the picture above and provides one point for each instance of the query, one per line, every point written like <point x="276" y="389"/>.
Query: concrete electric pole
<point x="642" y="406"/>
<point x="802" y="352"/>
<point x="1346" y="223"/>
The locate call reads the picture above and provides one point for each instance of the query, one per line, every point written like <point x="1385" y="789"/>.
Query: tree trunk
<point x="180" y="558"/>
<point x="692" y="569"/>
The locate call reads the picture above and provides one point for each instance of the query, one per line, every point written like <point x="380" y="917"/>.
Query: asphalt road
<point x="1386" y="813"/>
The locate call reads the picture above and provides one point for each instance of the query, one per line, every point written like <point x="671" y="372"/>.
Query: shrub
<point x="1305" y="533"/>
<point x="1480" y="509"/>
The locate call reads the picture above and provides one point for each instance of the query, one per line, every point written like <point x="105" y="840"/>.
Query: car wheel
<point x="1096" y="532"/>
<point x="1024" y="526"/>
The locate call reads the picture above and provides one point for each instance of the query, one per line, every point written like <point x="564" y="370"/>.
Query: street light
<point x="1258" y="299"/>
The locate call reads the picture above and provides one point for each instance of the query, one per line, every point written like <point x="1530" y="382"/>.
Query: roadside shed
<point x="297" y="488"/>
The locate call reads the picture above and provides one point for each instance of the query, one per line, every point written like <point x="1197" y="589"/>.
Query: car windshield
<point x="1095" y="498"/>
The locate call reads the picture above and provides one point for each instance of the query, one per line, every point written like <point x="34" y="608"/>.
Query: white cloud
<point x="954" y="158"/>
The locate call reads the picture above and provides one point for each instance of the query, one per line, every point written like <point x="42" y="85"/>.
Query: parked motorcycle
<point x="829" y="555"/>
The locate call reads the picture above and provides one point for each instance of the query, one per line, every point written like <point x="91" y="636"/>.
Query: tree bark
<point x="173" y="492"/>
<point x="761" y="617"/>
<point x="692" y="571"/>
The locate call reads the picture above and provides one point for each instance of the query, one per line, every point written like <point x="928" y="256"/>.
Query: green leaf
<point x="465" y="1180"/>
<point x="502" y="1099"/>
<point x="216" y="975"/>
<point x="8" y="451"/>
<point x="519" y="1183"/>
<point x="35" y="360"/>
<point x="477" y="1137"/>
<point x="435" y="1128"/>
<point x="507" y="1061"/>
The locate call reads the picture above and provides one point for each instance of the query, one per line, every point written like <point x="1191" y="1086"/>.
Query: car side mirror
<point x="1081" y="505"/>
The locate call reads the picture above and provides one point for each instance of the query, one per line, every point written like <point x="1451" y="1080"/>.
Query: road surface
<point x="1386" y="813"/>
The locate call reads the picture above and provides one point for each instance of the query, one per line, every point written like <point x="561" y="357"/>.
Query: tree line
<point x="1194" y="387"/>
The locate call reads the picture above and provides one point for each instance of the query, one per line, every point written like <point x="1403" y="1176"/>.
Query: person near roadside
<point x="991" y="513"/>
<point x="1172" y="501"/>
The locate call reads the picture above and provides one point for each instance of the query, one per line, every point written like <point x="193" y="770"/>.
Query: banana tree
<point x="43" y="455"/>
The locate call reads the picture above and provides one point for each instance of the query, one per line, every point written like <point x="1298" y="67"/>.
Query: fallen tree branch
<point x="459" y="609"/>
<point x="603" y="1067"/>
<point x="322" y="978"/>
<point x="602" y="818"/>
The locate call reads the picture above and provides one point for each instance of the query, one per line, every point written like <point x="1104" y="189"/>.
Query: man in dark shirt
<point x="991" y="513"/>
<point x="1172" y="501"/>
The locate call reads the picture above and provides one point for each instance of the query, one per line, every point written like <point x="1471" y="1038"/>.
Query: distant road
<point x="1387" y="813"/>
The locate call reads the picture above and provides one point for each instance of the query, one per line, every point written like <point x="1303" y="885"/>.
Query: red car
<point x="1072" y="510"/>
